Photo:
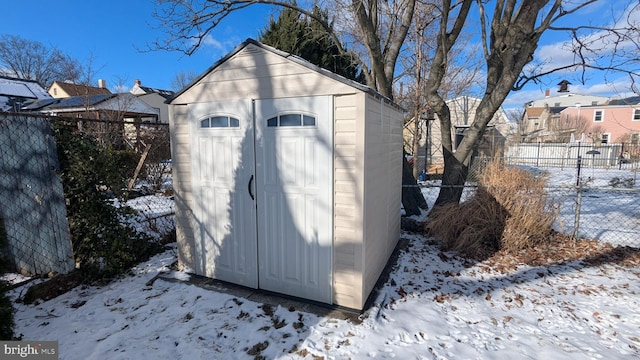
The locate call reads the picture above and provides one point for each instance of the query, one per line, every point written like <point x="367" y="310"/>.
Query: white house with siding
<point x="287" y="177"/>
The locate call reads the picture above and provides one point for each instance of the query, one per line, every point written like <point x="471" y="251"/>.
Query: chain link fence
<point x="32" y="206"/>
<point x="32" y="201"/>
<point x="595" y="202"/>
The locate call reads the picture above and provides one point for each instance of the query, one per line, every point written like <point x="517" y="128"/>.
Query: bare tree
<point x="565" y="126"/>
<point x="32" y="60"/>
<point x="182" y="79"/>
<point x="382" y="26"/>
<point x="425" y="17"/>
<point x="515" y="115"/>
<point x="510" y="36"/>
<point x="462" y="71"/>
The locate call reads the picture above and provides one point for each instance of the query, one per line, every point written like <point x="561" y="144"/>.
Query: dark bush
<point x="103" y="244"/>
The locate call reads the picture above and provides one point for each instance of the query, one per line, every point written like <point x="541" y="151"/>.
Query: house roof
<point x="28" y="89"/>
<point x="556" y="109"/>
<point x="634" y="100"/>
<point x="534" y="111"/>
<point x="565" y="99"/>
<point x="164" y="93"/>
<point x="81" y="90"/>
<point x="537" y="111"/>
<point x="124" y="103"/>
<point x="76" y="101"/>
<point x="69" y="102"/>
<point x="289" y="56"/>
<point x="39" y="104"/>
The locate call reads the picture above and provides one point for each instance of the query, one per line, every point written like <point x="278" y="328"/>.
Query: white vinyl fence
<point x="566" y="154"/>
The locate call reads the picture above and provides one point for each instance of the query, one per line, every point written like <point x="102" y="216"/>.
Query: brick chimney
<point x="546" y="93"/>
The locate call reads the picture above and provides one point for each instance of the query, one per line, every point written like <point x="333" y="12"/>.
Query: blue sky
<point x="111" y="32"/>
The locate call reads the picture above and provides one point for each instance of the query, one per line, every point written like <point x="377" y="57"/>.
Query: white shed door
<point x="294" y="164"/>
<point x="224" y="212"/>
<point x="262" y="183"/>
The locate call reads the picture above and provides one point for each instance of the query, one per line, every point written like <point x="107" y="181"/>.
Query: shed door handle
<point x="249" y="188"/>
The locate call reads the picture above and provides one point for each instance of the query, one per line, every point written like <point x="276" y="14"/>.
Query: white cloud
<point x="555" y="52"/>
<point x="602" y="47"/>
<point x="213" y="43"/>
<point x="519" y="98"/>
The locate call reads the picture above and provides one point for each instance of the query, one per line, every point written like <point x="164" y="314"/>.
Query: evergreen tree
<point x="296" y="34"/>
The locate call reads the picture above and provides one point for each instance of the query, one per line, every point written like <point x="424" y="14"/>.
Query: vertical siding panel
<point x="348" y="190"/>
<point x="181" y="173"/>
<point x="383" y="186"/>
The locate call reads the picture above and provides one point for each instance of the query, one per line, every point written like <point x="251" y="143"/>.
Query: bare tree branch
<point x="32" y="60"/>
<point x="188" y="23"/>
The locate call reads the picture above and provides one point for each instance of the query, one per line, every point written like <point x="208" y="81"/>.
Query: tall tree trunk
<point x="412" y="199"/>
<point x="453" y="179"/>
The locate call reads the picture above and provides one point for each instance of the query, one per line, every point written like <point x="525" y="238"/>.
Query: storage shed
<point x="287" y="177"/>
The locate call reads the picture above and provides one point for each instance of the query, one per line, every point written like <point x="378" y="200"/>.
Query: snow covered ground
<point x="434" y="306"/>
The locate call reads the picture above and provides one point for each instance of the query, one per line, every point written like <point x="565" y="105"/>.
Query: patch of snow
<point x="433" y="306"/>
<point x="13" y="278"/>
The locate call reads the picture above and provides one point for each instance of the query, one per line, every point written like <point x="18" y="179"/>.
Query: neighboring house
<point x="61" y="89"/>
<point x="287" y="177"/>
<point x="16" y="93"/>
<point x="616" y="122"/>
<point x="462" y="109"/>
<point x="153" y="97"/>
<point x="540" y="122"/>
<point x="112" y="108"/>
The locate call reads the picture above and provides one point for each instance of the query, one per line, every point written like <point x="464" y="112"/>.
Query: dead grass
<point x="564" y="249"/>
<point x="509" y="211"/>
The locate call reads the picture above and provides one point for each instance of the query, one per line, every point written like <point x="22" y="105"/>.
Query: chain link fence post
<point x="576" y="223"/>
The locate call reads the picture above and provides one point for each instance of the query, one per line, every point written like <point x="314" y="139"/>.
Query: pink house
<point x="616" y="122"/>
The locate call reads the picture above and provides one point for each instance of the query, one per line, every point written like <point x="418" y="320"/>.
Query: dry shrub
<point x="509" y="211"/>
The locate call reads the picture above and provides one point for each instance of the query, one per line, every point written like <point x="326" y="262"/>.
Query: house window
<point x="636" y="114"/>
<point x="605" y="139"/>
<point x="635" y="139"/>
<point x="556" y="104"/>
<point x="291" y="120"/>
<point x="598" y="116"/>
<point x="219" y="122"/>
<point x="594" y="103"/>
